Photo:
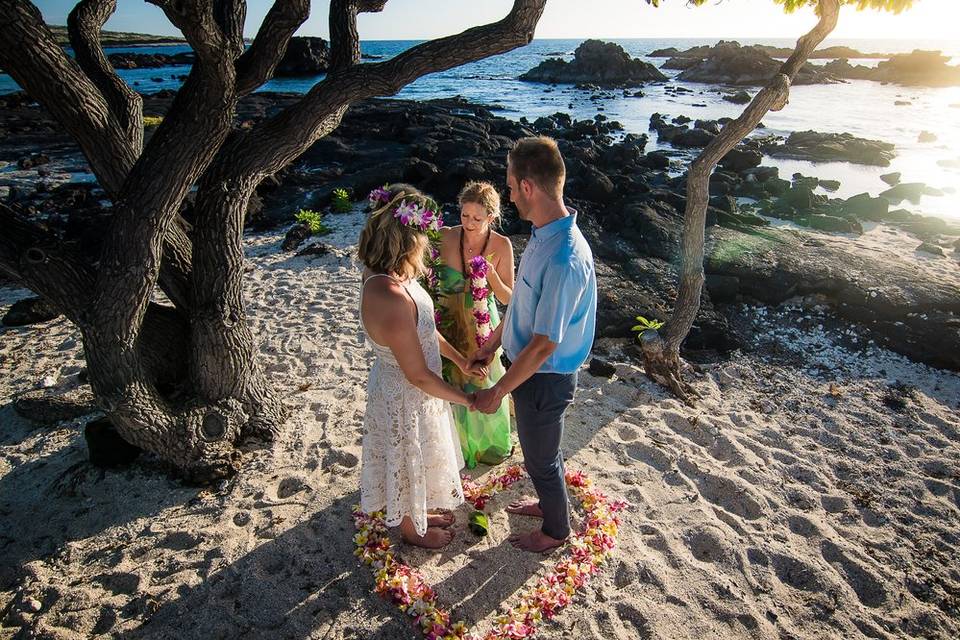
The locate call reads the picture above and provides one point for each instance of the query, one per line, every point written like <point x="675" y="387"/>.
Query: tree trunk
<point x="661" y="348"/>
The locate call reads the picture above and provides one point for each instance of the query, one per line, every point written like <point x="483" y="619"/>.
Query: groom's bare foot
<point x="536" y="541"/>
<point x="434" y="538"/>
<point x="526" y="507"/>
<point x="442" y="519"/>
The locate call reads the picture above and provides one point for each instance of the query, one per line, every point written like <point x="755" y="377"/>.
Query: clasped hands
<point x="484" y="400"/>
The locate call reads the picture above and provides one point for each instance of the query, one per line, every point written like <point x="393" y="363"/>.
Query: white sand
<point x="790" y="503"/>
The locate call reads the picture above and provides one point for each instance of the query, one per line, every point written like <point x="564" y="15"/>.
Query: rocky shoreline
<point x="754" y="65"/>
<point x="631" y="203"/>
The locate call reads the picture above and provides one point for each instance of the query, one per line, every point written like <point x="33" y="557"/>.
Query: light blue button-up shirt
<point x="555" y="295"/>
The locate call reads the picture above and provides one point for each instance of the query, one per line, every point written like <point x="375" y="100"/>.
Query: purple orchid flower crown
<point x="411" y="214"/>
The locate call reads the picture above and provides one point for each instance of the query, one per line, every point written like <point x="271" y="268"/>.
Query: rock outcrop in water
<point x="918" y="68"/>
<point x="150" y="60"/>
<point x="604" y="64"/>
<point x="305" y="56"/>
<point x="702" y="51"/>
<point x="730" y="63"/>
<point x="827" y="147"/>
<point x="842" y="68"/>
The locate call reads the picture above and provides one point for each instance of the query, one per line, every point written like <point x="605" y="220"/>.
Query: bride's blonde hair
<point x="389" y="246"/>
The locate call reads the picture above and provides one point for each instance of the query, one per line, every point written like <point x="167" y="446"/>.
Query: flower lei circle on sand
<point x="405" y="587"/>
<point x="477" y="270"/>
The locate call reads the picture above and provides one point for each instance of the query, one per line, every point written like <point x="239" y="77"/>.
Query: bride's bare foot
<point x="434" y="538"/>
<point x="442" y="519"/>
<point x="526" y="507"/>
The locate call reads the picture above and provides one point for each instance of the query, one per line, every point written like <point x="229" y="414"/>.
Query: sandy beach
<point x="813" y="492"/>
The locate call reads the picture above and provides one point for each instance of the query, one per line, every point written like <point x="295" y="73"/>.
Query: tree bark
<point x="661" y="348"/>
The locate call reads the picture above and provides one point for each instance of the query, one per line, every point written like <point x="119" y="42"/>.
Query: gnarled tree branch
<point x="83" y="25"/>
<point x="258" y="63"/>
<point x="344" y="39"/>
<point x="55" y="80"/>
<point x="37" y="259"/>
<point x="230" y="16"/>
<point x="197" y="20"/>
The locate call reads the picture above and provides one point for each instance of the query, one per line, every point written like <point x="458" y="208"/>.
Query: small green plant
<point x="341" y="201"/>
<point x="152" y="121"/>
<point x="645" y="325"/>
<point x="313" y="221"/>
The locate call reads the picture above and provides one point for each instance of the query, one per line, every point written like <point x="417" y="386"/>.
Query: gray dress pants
<point x="540" y="403"/>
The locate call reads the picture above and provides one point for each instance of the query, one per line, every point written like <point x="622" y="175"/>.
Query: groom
<point x="547" y="333"/>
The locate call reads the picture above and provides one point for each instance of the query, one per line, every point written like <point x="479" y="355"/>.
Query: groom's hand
<point x="488" y="400"/>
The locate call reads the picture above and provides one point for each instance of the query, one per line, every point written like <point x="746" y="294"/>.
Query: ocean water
<point x="863" y="108"/>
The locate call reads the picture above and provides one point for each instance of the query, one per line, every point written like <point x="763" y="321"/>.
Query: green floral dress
<point x="483" y="437"/>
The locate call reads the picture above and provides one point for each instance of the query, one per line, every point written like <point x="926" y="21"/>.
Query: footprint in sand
<point x="757" y="557"/>
<point x="650" y="455"/>
<point x="937" y="488"/>
<point x="949" y="428"/>
<point x="290" y="486"/>
<point x="723" y="492"/>
<point x="691" y="428"/>
<point x="807" y="475"/>
<point x="797" y="573"/>
<point x="634" y="621"/>
<point x="803" y="526"/>
<point x="340" y="457"/>
<point x="180" y="540"/>
<point x="866" y="585"/>
<point x="627" y="433"/>
<point x="708" y="544"/>
<point x="800" y="497"/>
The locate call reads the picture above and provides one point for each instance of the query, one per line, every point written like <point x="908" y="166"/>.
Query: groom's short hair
<point x="538" y="159"/>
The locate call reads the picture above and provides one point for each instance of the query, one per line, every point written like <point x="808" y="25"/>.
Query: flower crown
<point x="410" y="214"/>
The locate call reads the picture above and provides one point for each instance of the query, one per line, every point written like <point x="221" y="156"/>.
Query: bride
<point x="411" y="454"/>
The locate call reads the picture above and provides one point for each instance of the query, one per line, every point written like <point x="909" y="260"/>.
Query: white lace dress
<point x="411" y="454"/>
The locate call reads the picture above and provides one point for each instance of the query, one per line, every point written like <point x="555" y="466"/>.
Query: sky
<point x="422" y="19"/>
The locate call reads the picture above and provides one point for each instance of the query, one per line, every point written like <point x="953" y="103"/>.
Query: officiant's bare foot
<point x="527" y="507"/>
<point x="441" y="519"/>
<point x="536" y="541"/>
<point x="434" y="538"/>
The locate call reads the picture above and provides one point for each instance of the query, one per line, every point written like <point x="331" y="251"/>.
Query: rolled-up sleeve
<point x="563" y="286"/>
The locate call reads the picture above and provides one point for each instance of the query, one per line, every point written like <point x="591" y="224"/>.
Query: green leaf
<point x="479" y="524"/>
<point x="341" y="201"/>
<point x="313" y="221"/>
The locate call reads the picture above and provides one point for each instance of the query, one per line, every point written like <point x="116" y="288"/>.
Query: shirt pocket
<point x="524" y="297"/>
<point x="530" y="288"/>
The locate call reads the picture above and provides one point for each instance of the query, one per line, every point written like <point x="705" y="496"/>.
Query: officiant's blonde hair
<point x="389" y="246"/>
<point x="484" y="194"/>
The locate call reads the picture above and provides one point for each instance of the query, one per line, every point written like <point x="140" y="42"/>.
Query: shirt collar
<point x="557" y="226"/>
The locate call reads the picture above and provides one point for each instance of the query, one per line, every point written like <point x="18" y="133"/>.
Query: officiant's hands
<point x="483" y="357"/>
<point x="471" y="368"/>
